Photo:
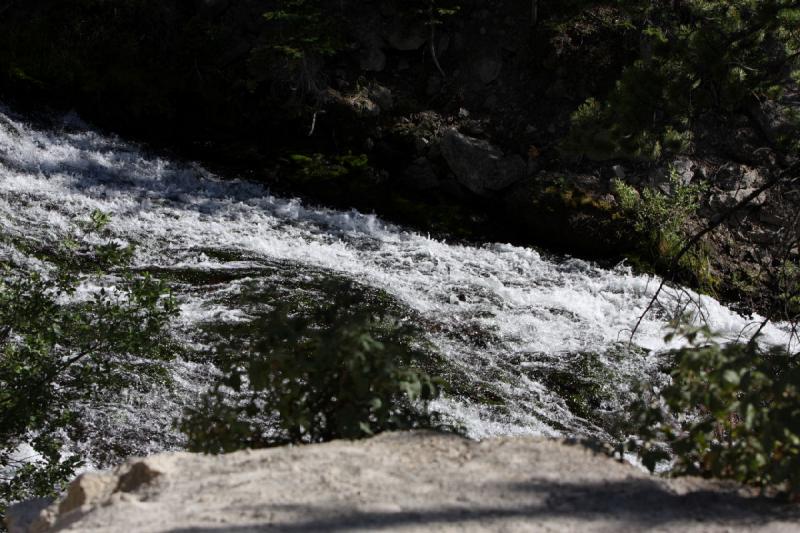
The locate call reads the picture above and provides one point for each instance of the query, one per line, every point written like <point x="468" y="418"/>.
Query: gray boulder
<point x="405" y="36"/>
<point x="411" y="482"/>
<point x="478" y="165"/>
<point x="728" y="199"/>
<point x="734" y="177"/>
<point x="372" y="59"/>
<point x="686" y="170"/>
<point x="488" y="65"/>
<point x="420" y="175"/>
<point x="777" y="119"/>
<point x="382" y="96"/>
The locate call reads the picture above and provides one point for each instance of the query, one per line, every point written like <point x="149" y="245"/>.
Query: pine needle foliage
<point x="720" y="57"/>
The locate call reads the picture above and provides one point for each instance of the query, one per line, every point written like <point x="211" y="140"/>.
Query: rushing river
<point x="505" y="319"/>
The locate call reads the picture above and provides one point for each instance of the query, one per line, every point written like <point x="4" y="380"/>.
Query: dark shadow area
<point x="634" y="504"/>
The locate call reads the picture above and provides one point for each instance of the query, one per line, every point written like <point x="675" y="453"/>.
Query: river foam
<point x="534" y="309"/>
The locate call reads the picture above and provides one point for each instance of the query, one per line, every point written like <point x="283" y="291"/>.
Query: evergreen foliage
<point x="720" y="57"/>
<point x="302" y="27"/>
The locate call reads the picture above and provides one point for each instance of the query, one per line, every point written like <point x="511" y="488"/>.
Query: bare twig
<point x="8" y="6"/>
<point x="313" y="125"/>
<point x="761" y="327"/>
<point x="698" y="304"/>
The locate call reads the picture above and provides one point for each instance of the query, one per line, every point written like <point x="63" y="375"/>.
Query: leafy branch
<point x="57" y="351"/>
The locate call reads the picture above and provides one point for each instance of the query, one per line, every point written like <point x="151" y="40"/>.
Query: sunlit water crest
<point x="500" y="315"/>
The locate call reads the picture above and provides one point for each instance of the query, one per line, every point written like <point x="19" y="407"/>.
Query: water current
<point x="506" y="320"/>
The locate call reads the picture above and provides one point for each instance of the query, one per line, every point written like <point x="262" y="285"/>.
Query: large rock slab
<point x="478" y="165"/>
<point x="402" y="481"/>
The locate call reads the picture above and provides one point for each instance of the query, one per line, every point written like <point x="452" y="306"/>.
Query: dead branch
<point x="713" y="224"/>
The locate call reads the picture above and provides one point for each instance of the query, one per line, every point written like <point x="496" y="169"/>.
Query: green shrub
<point x="730" y="411"/>
<point x="318" y="167"/>
<point x="659" y="213"/>
<point x="58" y="352"/>
<point x="661" y="223"/>
<point x="789" y="289"/>
<point x="337" y="371"/>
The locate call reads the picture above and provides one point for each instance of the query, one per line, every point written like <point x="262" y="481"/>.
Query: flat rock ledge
<point x="418" y="481"/>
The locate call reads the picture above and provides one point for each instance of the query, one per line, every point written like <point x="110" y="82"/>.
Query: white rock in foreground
<point x="401" y="481"/>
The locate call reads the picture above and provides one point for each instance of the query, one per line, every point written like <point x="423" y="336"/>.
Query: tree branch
<point x="714" y="224"/>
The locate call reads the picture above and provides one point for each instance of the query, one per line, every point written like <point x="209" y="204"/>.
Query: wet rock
<point x="382" y="96"/>
<point x="372" y="59"/>
<point x="478" y="165"/>
<point x="7" y="126"/>
<point x="420" y="175"/>
<point x="775" y="119"/>
<point x="488" y="65"/>
<point x="405" y="35"/>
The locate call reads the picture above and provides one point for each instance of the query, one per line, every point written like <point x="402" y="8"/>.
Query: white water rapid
<point x="503" y="316"/>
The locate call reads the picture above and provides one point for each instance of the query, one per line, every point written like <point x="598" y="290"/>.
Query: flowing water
<point x="509" y="323"/>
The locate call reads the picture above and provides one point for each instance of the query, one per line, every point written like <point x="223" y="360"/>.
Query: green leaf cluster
<point x="339" y="370"/>
<point x="730" y="411"/>
<point x="59" y="350"/>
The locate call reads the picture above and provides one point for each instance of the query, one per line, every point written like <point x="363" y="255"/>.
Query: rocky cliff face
<point x="403" y="481"/>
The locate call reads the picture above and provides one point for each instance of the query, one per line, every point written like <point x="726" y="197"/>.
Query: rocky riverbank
<point x="401" y="481"/>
